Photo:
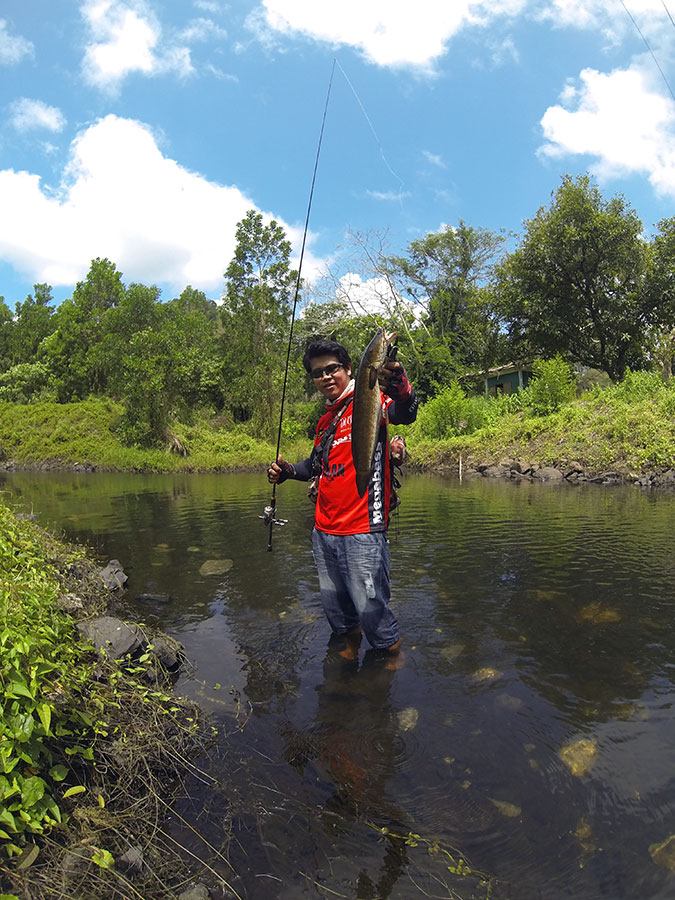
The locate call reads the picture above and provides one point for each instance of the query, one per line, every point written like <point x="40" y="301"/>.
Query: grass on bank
<point x="628" y="426"/>
<point x="87" y="747"/>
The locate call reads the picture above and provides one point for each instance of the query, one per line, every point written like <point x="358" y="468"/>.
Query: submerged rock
<point x="663" y="854"/>
<point x="132" y="861"/>
<point x="510" y="810"/>
<point x="452" y="651"/>
<point x="487" y="673"/>
<point x="597" y="614"/>
<point x="198" y="892"/>
<point x="407" y="718"/>
<point x="216" y="567"/>
<point x="154" y="598"/>
<point x="579" y="756"/>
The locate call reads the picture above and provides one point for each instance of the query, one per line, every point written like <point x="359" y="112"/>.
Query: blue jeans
<point x="354" y="582"/>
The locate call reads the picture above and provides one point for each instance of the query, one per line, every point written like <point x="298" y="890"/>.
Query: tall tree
<point x="661" y="288"/>
<point x="6" y="328"/>
<point x="33" y="322"/>
<point x="442" y="272"/>
<point x="447" y="273"/>
<point x="255" y="314"/>
<point x="73" y="351"/>
<point x="576" y="284"/>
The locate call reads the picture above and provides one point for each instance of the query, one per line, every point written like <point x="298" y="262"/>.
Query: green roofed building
<point x="505" y="379"/>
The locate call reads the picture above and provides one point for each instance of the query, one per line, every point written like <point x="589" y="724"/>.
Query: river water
<point x="529" y="733"/>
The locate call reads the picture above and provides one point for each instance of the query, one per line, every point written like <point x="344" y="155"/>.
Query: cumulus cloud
<point x="607" y="17"/>
<point x="618" y="119"/>
<point x="367" y="296"/>
<point x="127" y="39"/>
<point x="28" y="115"/>
<point x="122" y="199"/>
<point x="373" y="296"/>
<point x="388" y="32"/>
<point x="13" y="48"/>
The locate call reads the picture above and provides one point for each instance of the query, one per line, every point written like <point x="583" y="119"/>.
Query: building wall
<point x="507" y="383"/>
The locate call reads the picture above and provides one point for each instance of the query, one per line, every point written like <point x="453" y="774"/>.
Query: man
<point x="349" y="539"/>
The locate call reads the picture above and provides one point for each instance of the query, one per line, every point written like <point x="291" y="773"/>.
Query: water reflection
<point x="536" y="619"/>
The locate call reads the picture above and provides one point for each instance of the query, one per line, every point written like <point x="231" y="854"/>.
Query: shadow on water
<point x="531" y="727"/>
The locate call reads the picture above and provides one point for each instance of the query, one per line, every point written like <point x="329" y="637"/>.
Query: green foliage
<point x="42" y="716"/>
<point x="73" y="350"/>
<point x="452" y="413"/>
<point x="445" y="273"/>
<point x="33" y="322"/>
<point x="552" y="385"/>
<point x="629" y="426"/>
<point x="24" y="382"/>
<point x="255" y="321"/>
<point x="300" y="421"/>
<point x="637" y="386"/>
<point x="577" y="283"/>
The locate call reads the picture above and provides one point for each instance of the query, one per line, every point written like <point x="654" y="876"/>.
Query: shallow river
<point x="530" y="732"/>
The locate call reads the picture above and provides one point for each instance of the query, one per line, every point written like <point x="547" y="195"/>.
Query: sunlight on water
<point x="529" y="734"/>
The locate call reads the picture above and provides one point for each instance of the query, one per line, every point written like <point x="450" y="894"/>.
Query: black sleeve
<point x="303" y="470"/>
<point x="404" y="412"/>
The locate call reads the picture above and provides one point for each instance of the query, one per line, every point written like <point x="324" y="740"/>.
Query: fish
<point x="367" y="405"/>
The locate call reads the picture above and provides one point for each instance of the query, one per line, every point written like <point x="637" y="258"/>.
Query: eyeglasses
<point x="327" y="370"/>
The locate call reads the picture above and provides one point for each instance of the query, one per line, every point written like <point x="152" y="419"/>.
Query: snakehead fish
<point x="367" y="405"/>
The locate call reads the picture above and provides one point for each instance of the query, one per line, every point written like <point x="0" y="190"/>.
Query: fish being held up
<point x="367" y="406"/>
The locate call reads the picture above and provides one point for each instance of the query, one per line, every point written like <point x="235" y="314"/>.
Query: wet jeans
<point x="354" y="582"/>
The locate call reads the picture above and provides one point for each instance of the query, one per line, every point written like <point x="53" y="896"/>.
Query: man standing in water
<point x="349" y="539"/>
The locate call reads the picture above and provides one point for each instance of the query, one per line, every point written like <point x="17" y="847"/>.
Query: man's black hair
<point x="324" y="347"/>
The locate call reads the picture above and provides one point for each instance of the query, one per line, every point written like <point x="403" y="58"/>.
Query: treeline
<point x="583" y="284"/>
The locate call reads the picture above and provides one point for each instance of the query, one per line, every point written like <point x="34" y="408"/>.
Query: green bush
<point x="552" y="386"/>
<point x="24" y="382"/>
<point x="300" y="420"/>
<point x="638" y="386"/>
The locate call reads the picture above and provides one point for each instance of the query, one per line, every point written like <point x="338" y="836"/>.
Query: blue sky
<point x="144" y="131"/>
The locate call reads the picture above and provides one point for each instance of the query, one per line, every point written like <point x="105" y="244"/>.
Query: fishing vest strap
<point x="322" y="450"/>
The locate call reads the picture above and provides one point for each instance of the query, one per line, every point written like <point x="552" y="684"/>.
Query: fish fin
<point x="373" y="375"/>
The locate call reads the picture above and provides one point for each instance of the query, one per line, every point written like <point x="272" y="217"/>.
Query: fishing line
<point x="269" y="516"/>
<point x="377" y="140"/>
<point x="668" y="11"/>
<point x="653" y="56"/>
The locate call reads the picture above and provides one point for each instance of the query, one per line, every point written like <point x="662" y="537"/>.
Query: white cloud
<point x="13" y="48"/>
<point x="367" y="296"/>
<point x="607" y="17"/>
<point x="210" y="6"/>
<point x="388" y="32"/>
<point x="620" y="121"/>
<point x="27" y="115"/>
<point x="122" y="199"/>
<point x="202" y="30"/>
<point x="389" y="196"/>
<point x="373" y="296"/>
<point x="125" y="39"/>
<point x="434" y="158"/>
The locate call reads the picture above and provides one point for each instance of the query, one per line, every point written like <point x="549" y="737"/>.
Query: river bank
<point x="92" y="740"/>
<point x="621" y="434"/>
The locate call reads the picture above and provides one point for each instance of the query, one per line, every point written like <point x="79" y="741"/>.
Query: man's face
<point x="333" y="384"/>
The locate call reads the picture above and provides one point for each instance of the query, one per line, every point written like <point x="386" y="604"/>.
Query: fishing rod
<point x="269" y="516"/>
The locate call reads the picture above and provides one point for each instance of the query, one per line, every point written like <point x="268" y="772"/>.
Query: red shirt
<point x="339" y="509"/>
